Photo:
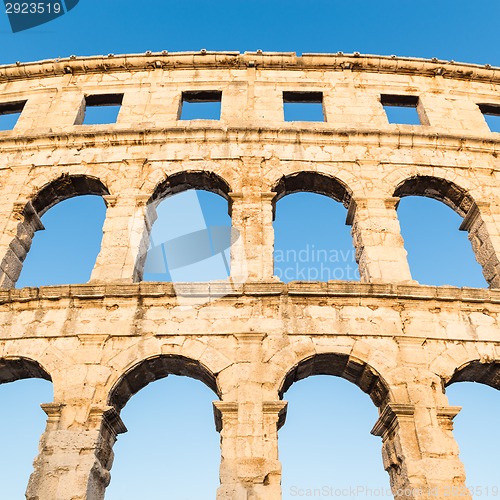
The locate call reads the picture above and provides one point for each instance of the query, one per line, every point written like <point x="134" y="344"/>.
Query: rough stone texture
<point x="251" y="337"/>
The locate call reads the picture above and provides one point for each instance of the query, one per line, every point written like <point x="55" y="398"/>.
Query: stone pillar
<point x="234" y="103"/>
<point x="482" y="222"/>
<point x="226" y="422"/>
<point x="266" y="103"/>
<point x="250" y="468"/>
<point x="37" y="116"/>
<point x="348" y="106"/>
<point x="125" y="239"/>
<point x="253" y="246"/>
<point x="17" y="242"/>
<point x="67" y="110"/>
<point x="380" y="250"/>
<point x="420" y="453"/>
<point x="74" y="460"/>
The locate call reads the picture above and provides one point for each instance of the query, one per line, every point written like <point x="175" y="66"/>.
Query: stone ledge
<point x="339" y="61"/>
<point x="390" y="417"/>
<point x="251" y="289"/>
<point x="431" y="138"/>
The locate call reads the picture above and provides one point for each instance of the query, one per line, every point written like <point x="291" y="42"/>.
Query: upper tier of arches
<point x="152" y="185"/>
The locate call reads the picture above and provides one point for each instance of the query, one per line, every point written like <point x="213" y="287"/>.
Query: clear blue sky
<point x="316" y="444"/>
<point x="459" y="30"/>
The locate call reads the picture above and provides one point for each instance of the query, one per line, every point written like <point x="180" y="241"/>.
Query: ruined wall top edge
<point x="453" y="103"/>
<point x="259" y="59"/>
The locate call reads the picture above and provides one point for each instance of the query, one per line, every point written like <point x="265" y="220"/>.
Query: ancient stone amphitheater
<point x="250" y="337"/>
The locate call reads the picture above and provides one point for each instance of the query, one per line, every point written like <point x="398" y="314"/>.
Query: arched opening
<point x="325" y="447"/>
<point x="155" y="368"/>
<point x="191" y="238"/>
<point x="431" y="214"/>
<point x="24" y="385"/>
<point x="72" y="212"/>
<point x="65" y="187"/>
<point x="312" y="240"/>
<point x="171" y="449"/>
<point x="476" y="427"/>
<point x="66" y="251"/>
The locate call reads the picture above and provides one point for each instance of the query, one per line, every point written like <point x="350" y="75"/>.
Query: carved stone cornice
<point x="110" y="419"/>
<point x="473" y="214"/>
<point x="390" y="202"/>
<point x="224" y="410"/>
<point x="446" y="414"/>
<point x="25" y="209"/>
<point x="276" y="409"/>
<point x="391" y="417"/>
<point x="53" y="411"/>
<point x="232" y="60"/>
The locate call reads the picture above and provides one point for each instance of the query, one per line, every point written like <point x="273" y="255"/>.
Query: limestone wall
<point x="251" y="337"/>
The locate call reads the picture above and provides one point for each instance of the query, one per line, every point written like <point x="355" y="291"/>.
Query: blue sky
<point x="323" y="442"/>
<point x="459" y="30"/>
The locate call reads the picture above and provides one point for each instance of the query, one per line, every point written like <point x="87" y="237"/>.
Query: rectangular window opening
<point x="10" y="113"/>
<point x="491" y="113"/>
<point x="303" y="106"/>
<point x="201" y="105"/>
<point x="401" y="109"/>
<point x="102" y="109"/>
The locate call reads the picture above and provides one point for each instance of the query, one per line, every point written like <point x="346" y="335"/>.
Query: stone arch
<point x="477" y="407"/>
<point x="473" y="213"/>
<point x="19" y="368"/>
<point x="28" y="215"/>
<point x="478" y="370"/>
<point x="12" y="369"/>
<point x="448" y="192"/>
<point x="402" y="171"/>
<point x="452" y="358"/>
<point x="191" y="179"/>
<point x="345" y="366"/>
<point x="147" y="370"/>
<point x="334" y="188"/>
<point x="154" y="368"/>
<point x="64" y="187"/>
<point x="312" y="182"/>
<point x="341" y="365"/>
<point x="175" y="183"/>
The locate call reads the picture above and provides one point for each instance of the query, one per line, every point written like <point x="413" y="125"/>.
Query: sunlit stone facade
<point x="250" y="337"/>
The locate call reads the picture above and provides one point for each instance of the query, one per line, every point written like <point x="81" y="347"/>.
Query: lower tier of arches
<point x="102" y="348"/>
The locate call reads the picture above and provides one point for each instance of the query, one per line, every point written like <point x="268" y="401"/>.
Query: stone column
<point x="74" y="460"/>
<point x="37" y="116"/>
<point x="380" y="250"/>
<point x="482" y="222"/>
<point x="250" y="468"/>
<point x="17" y="242"/>
<point x="226" y="422"/>
<point x="125" y="239"/>
<point x="253" y="236"/>
<point x="420" y="453"/>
